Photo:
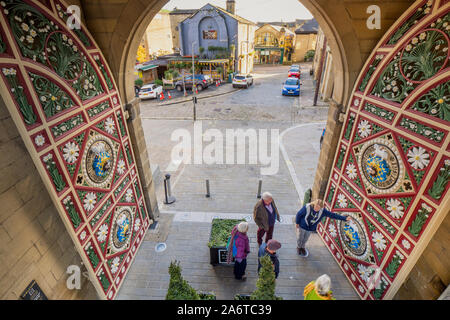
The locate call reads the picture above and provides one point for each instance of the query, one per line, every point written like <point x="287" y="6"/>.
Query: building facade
<point x="273" y="45"/>
<point x="213" y="32"/>
<point x="158" y="36"/>
<point x="323" y="67"/>
<point x="305" y="39"/>
<point x="176" y="16"/>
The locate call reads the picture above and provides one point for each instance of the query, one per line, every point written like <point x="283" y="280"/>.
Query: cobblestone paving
<point x="234" y="189"/>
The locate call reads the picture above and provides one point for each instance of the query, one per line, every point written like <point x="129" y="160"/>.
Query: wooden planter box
<point x="220" y="232"/>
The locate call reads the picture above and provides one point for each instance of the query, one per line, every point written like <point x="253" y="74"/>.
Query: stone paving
<point x="148" y="278"/>
<point x="233" y="192"/>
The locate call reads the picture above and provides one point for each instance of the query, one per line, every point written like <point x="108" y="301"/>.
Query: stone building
<point x="305" y="39"/>
<point x="158" y="36"/>
<point x="323" y="67"/>
<point x="273" y="44"/>
<point x="176" y="17"/>
<point x="213" y="28"/>
<point x="51" y="220"/>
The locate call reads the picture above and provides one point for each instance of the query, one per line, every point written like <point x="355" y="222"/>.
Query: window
<point x="292" y="82"/>
<point x="266" y="39"/>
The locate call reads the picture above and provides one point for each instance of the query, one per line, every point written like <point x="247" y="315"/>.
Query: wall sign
<point x="210" y="34"/>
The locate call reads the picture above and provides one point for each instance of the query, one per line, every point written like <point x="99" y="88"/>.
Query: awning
<point x="147" y="67"/>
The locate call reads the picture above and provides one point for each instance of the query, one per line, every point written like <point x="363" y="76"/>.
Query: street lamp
<point x="193" y="69"/>
<point x="194" y="98"/>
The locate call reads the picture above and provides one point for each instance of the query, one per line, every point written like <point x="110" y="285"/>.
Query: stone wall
<point x="431" y="274"/>
<point x="303" y="43"/>
<point x="35" y="244"/>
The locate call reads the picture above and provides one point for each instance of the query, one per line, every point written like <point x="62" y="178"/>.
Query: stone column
<point x="137" y="139"/>
<point x="329" y="146"/>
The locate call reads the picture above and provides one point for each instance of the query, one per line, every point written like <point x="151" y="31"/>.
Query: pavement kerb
<point x="198" y="97"/>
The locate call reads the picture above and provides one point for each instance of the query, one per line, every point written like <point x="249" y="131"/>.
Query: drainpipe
<point x="319" y="79"/>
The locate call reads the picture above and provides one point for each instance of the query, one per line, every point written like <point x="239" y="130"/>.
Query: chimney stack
<point x="231" y="6"/>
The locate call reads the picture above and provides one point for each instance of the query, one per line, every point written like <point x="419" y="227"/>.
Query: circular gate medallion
<point x="380" y="166"/>
<point x="99" y="161"/>
<point x="354" y="237"/>
<point x="121" y="229"/>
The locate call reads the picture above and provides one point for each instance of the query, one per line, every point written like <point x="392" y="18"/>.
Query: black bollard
<point x="168" y="191"/>
<point x="208" y="193"/>
<point x="259" y="189"/>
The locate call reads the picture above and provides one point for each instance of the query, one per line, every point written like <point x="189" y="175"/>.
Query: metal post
<point x="168" y="191"/>
<point x="259" y="189"/>
<point x="194" y="99"/>
<point x="208" y="193"/>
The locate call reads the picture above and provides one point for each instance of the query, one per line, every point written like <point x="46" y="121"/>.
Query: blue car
<point x="291" y="87"/>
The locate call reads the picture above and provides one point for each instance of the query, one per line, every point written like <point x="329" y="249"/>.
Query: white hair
<point x="242" y="227"/>
<point x="267" y="196"/>
<point x="323" y="284"/>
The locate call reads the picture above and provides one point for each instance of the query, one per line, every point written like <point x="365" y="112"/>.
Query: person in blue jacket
<point x="307" y="220"/>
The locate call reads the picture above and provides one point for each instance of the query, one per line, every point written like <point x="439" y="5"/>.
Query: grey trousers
<point x="302" y="237"/>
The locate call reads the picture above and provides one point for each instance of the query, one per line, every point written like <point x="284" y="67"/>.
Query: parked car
<point x="241" y="80"/>
<point x="294" y="72"/>
<point x="291" y="87"/>
<point x="150" y="91"/>
<point x="201" y="82"/>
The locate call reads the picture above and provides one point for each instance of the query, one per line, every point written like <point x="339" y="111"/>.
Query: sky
<point x="253" y="10"/>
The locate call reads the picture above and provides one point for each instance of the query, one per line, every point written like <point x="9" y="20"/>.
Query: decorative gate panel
<point x="392" y="167"/>
<point x="61" y="95"/>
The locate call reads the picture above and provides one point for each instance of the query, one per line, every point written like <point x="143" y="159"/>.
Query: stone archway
<point x="391" y="171"/>
<point x="59" y="92"/>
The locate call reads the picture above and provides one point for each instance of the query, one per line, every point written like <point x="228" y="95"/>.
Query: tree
<point x="141" y="54"/>
<point x="139" y="82"/>
<point x="265" y="285"/>
<point x="179" y="289"/>
<point x="309" y="56"/>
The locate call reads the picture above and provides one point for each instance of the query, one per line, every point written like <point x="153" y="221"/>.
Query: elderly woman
<point x="307" y="220"/>
<point x="319" y="289"/>
<point x="265" y="213"/>
<point x="239" y="248"/>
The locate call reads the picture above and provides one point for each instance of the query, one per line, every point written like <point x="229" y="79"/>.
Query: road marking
<point x="298" y="187"/>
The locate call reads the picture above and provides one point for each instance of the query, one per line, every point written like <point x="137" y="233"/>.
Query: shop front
<point x="269" y="55"/>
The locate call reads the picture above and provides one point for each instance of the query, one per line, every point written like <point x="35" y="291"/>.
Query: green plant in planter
<point x="221" y="231"/>
<point x="158" y="82"/>
<point x="179" y="289"/>
<point x="265" y="285"/>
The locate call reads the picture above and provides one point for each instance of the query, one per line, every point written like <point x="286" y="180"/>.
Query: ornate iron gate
<point x="392" y="164"/>
<point x="63" y="99"/>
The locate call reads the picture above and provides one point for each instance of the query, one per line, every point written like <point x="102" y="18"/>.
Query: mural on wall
<point x="392" y="168"/>
<point x="62" y="97"/>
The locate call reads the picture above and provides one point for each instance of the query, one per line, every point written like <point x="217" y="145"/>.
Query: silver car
<point x="241" y="80"/>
